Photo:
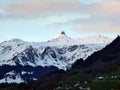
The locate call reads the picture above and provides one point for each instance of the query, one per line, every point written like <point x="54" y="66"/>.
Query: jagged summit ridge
<point x="64" y="39"/>
<point x="61" y="39"/>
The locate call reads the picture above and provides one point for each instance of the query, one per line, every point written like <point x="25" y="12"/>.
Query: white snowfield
<point x="60" y="52"/>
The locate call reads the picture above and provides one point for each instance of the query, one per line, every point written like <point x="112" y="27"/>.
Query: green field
<point x="103" y="84"/>
<point x="108" y="83"/>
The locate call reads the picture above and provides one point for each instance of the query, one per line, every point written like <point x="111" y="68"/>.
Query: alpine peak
<point x="62" y="33"/>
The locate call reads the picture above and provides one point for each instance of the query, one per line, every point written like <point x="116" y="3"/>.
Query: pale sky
<point x="42" y="20"/>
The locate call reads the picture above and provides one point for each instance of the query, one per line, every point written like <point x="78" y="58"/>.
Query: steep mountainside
<point x="106" y="59"/>
<point x="12" y="53"/>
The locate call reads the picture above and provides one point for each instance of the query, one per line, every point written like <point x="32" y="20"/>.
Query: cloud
<point x="93" y="24"/>
<point x="109" y="8"/>
<point x="104" y="16"/>
<point x="99" y="27"/>
<point x="38" y="8"/>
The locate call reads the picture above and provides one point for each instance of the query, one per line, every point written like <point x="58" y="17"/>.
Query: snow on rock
<point x="59" y="52"/>
<point x="12" y="77"/>
<point x="11" y="80"/>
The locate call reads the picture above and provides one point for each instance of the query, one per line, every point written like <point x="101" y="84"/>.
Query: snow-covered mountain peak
<point x="96" y="39"/>
<point x="16" y="40"/>
<point x="62" y="33"/>
<point x="13" y="41"/>
<point x="61" y="39"/>
<point x="64" y="40"/>
<point x="100" y="38"/>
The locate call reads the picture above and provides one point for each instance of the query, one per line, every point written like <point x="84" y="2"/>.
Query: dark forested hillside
<point x="106" y="59"/>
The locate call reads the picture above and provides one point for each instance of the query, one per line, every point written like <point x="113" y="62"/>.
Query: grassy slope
<point x="106" y="84"/>
<point x="103" y="84"/>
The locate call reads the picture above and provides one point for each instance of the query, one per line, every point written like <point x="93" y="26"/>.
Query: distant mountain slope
<point x="59" y="52"/>
<point x="63" y="39"/>
<point x="94" y="39"/>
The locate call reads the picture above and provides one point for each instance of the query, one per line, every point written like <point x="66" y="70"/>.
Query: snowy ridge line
<point x="60" y="52"/>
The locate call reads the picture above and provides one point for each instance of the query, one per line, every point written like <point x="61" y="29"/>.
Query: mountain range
<point x="22" y="61"/>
